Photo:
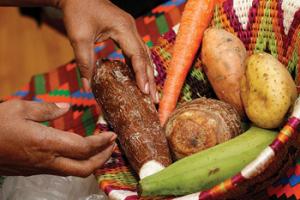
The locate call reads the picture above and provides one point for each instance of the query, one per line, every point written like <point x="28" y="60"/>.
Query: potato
<point x="268" y="90"/>
<point x="223" y="56"/>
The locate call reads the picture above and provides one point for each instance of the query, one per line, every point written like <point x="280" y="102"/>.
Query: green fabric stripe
<point x="39" y="84"/>
<point x="45" y="123"/>
<point x="78" y="78"/>
<point x="88" y="122"/>
<point x="149" y="43"/>
<point x="165" y="54"/>
<point x="125" y="178"/>
<point x="216" y="18"/>
<point x="197" y="74"/>
<point x="293" y="61"/>
<point x="60" y="93"/>
<point x="266" y="34"/>
<point x="162" y="24"/>
<point x="187" y="92"/>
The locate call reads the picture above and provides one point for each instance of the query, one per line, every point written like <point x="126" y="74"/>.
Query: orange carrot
<point x="195" y="19"/>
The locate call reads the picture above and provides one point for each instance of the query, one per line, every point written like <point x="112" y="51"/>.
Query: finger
<point x="100" y="141"/>
<point x="43" y="111"/>
<point x="82" y="168"/>
<point x="133" y="48"/>
<point x="150" y="74"/>
<point x="67" y="144"/>
<point x="84" y="54"/>
<point x="152" y="84"/>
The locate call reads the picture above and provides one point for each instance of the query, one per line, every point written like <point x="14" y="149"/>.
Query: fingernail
<point x="113" y="138"/>
<point x="155" y="73"/>
<point x="115" y="147"/>
<point x="157" y="97"/>
<point x="86" y="85"/>
<point x="147" y="88"/>
<point x="62" y="105"/>
<point x="112" y="135"/>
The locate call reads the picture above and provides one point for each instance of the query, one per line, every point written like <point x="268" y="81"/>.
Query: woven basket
<point x="266" y="25"/>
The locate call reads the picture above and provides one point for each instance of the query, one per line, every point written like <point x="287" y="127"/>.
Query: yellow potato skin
<point x="267" y="90"/>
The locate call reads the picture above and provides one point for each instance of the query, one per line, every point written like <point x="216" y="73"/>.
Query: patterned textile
<point x="263" y="25"/>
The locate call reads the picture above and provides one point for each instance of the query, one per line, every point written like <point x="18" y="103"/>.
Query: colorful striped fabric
<point x="263" y="25"/>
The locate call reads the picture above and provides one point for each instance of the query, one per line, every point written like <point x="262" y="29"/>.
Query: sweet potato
<point x="223" y="56"/>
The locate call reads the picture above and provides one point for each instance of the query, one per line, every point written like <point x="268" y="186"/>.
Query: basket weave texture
<point x="263" y="25"/>
<point x="270" y="26"/>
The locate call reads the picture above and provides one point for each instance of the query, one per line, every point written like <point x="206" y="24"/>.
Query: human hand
<point x="93" y="21"/>
<point x="28" y="147"/>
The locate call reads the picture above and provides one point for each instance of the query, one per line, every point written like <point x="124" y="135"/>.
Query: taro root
<point x="201" y="124"/>
<point x="132" y="116"/>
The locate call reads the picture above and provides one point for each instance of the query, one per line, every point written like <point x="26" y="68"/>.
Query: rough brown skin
<point x="131" y="114"/>
<point x="201" y="124"/>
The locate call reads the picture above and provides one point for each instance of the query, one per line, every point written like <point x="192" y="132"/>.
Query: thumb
<point x="44" y="111"/>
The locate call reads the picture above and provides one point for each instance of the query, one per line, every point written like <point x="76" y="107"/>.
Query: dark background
<point x="137" y="7"/>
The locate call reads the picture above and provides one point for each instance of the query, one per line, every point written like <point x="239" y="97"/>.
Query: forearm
<point x="54" y="3"/>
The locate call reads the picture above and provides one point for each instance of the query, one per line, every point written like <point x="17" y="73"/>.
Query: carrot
<point x="195" y="19"/>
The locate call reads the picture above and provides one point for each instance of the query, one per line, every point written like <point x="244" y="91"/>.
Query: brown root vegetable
<point x="133" y="117"/>
<point x="201" y="124"/>
<point x="223" y="56"/>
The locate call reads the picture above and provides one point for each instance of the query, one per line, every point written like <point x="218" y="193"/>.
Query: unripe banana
<point x="207" y="168"/>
